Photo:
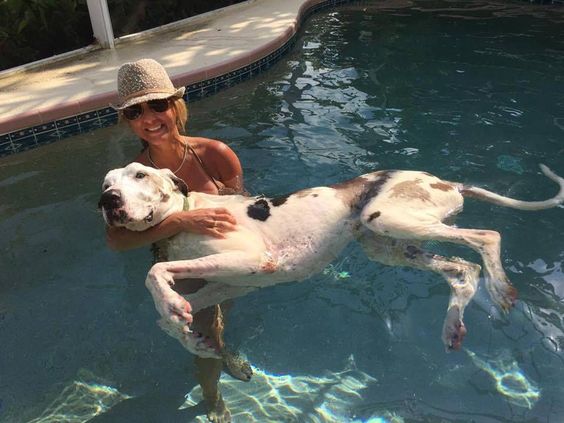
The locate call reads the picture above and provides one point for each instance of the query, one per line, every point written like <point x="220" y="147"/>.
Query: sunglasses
<point x="136" y="111"/>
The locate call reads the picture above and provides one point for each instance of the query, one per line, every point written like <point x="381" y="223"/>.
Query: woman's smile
<point x="155" y="128"/>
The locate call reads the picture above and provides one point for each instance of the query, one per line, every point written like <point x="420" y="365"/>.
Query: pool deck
<point x="195" y="49"/>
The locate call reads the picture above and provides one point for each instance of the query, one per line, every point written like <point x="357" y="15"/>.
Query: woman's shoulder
<point x="205" y="144"/>
<point x="216" y="155"/>
<point x="210" y="148"/>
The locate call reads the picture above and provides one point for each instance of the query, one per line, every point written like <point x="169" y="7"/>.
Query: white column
<point x="101" y="22"/>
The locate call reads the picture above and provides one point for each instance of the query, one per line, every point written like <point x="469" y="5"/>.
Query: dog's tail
<point x="500" y="200"/>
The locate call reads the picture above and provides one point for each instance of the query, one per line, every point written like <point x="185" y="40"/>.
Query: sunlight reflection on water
<point x="510" y="381"/>
<point x="277" y="398"/>
<point x="79" y="402"/>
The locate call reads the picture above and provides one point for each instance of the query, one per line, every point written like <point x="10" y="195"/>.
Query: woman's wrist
<point x="180" y="221"/>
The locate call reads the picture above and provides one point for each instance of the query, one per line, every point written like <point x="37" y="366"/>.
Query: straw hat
<point x="144" y="80"/>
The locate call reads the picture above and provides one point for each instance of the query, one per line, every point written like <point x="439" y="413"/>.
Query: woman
<point x="156" y="113"/>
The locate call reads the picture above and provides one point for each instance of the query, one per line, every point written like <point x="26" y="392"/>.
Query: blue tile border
<point x="6" y="146"/>
<point x="24" y="143"/>
<point x="47" y="133"/>
<point x="22" y="133"/>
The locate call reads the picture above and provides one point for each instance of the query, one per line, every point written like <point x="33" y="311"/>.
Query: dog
<point x="289" y="238"/>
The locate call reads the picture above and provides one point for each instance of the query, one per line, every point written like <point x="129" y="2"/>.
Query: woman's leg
<point x="209" y="322"/>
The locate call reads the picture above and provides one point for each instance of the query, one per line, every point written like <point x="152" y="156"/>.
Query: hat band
<point x="145" y="92"/>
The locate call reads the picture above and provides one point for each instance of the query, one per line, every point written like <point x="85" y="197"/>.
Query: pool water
<point x="470" y="91"/>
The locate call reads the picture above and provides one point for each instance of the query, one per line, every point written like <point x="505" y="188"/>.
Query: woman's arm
<point x="215" y="222"/>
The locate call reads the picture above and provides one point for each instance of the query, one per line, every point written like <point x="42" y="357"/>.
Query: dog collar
<point x="186" y="205"/>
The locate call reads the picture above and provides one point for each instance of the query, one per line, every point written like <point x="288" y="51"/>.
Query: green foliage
<point x="34" y="29"/>
<point x="131" y="16"/>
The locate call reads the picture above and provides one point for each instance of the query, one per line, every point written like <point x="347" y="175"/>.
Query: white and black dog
<point x="284" y="239"/>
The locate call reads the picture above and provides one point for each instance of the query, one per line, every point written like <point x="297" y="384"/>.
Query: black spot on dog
<point x="359" y="191"/>
<point x="278" y="201"/>
<point x="315" y="195"/>
<point x="374" y="216"/>
<point x="260" y="210"/>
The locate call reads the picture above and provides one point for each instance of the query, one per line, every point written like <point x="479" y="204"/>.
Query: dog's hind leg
<point x="408" y="222"/>
<point x="416" y="209"/>
<point x="488" y="244"/>
<point x="461" y="275"/>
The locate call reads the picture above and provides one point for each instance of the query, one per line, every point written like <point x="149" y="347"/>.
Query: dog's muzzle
<point x="111" y="204"/>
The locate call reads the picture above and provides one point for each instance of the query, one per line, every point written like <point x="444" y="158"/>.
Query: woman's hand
<point x="215" y="222"/>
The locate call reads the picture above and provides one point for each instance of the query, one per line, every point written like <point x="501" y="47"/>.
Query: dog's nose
<point x="110" y="199"/>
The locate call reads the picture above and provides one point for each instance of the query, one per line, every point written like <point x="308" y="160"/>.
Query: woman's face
<point x="155" y="127"/>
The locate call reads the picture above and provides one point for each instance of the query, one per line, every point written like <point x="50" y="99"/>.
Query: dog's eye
<point x="105" y="187"/>
<point x="140" y="175"/>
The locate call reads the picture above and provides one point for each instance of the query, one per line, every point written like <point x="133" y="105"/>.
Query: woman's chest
<point x="198" y="180"/>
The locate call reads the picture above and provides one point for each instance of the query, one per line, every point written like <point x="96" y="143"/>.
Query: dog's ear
<point x="180" y="184"/>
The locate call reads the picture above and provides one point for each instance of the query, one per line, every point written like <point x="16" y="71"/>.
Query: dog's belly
<point x="307" y="254"/>
<point x="187" y="246"/>
<point x="294" y="260"/>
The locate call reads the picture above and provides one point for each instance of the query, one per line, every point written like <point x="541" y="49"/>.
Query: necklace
<point x="181" y="163"/>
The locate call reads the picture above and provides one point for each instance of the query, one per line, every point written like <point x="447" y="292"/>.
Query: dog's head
<point x="138" y="197"/>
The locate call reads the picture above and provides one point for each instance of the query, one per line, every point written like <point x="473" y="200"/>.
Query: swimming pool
<point x="469" y="91"/>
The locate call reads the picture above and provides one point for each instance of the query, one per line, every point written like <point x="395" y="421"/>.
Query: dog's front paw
<point x="175" y="310"/>
<point x="199" y="345"/>
<point x="193" y="341"/>
<point x="172" y="329"/>
<point x="454" y="330"/>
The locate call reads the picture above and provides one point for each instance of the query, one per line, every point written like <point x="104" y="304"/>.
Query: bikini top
<point x="221" y="189"/>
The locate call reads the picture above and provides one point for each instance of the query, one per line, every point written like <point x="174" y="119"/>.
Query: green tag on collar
<point x="186" y="206"/>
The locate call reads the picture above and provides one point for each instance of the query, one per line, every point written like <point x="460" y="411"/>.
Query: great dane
<point x="289" y="238"/>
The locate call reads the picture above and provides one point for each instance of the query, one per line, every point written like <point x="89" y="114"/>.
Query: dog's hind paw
<point x="454" y="330"/>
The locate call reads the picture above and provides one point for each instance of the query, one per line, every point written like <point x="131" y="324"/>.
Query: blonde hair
<point x="181" y="110"/>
